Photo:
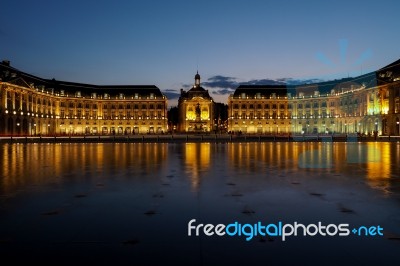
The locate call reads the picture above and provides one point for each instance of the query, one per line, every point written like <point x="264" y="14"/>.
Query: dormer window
<point x="78" y="94"/>
<point x="151" y="95"/>
<point x="121" y="96"/>
<point x="136" y="95"/>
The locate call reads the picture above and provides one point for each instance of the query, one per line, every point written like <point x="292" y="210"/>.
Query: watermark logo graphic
<point x="280" y="229"/>
<point x="323" y="157"/>
<point x="343" y="47"/>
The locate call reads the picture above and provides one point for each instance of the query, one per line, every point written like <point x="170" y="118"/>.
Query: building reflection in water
<point x="197" y="161"/>
<point x="377" y="162"/>
<point x="36" y="164"/>
<point x="379" y="166"/>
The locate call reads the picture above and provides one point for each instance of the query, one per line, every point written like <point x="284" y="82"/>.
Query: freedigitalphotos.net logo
<point x="280" y="229"/>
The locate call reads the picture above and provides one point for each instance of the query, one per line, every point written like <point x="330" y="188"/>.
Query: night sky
<point x="229" y="42"/>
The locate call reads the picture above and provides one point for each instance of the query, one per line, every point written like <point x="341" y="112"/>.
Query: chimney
<point x="6" y="62"/>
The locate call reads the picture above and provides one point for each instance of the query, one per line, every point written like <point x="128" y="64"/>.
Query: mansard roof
<point x="15" y="76"/>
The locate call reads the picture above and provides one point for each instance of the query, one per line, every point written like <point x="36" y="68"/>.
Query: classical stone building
<point x="196" y="109"/>
<point x="30" y="105"/>
<point x="368" y="104"/>
<point x="389" y="78"/>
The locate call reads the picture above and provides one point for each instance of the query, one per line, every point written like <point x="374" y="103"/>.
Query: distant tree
<point x="173" y="116"/>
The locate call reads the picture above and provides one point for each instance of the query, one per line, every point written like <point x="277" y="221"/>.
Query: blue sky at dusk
<point x="162" y="42"/>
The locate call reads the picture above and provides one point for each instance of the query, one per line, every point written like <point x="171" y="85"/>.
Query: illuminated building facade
<point x="368" y="104"/>
<point x="196" y="109"/>
<point x="31" y="105"/>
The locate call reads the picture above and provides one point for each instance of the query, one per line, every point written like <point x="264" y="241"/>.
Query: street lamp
<point x="398" y="125"/>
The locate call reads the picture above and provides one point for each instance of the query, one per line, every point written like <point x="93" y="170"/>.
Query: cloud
<point x="223" y="91"/>
<point x="225" y="85"/>
<point x="170" y="90"/>
<point x="281" y="81"/>
<point x="170" y="94"/>
<point x="221" y="82"/>
<point x="291" y="81"/>
<point x="263" y="82"/>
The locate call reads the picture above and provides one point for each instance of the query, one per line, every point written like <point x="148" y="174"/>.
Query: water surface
<point x="131" y="202"/>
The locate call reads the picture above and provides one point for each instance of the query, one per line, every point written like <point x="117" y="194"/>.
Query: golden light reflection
<point x="197" y="160"/>
<point x="379" y="166"/>
<point x="262" y="157"/>
<point x="376" y="162"/>
<point x="27" y="165"/>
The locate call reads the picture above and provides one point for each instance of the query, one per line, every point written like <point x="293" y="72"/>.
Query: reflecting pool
<point x="131" y="202"/>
